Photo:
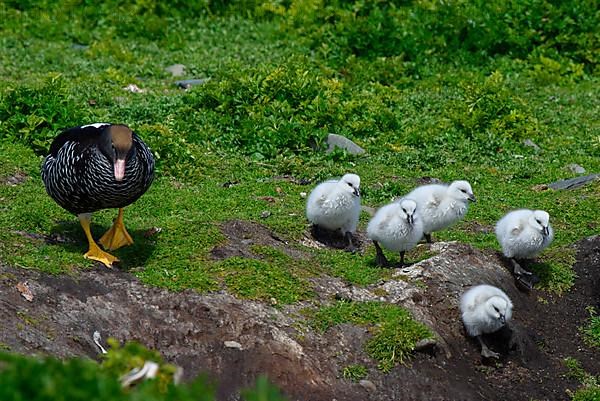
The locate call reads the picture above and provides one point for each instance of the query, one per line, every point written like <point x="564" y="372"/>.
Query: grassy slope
<point x="449" y="120"/>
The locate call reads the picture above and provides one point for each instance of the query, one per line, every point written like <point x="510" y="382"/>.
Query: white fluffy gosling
<point x="485" y="309"/>
<point x="335" y="205"/>
<point x="523" y="234"/>
<point x="442" y="205"/>
<point x="398" y="227"/>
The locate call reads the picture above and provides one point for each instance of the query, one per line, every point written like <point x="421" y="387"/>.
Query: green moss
<point x="355" y="372"/>
<point x="394" y="332"/>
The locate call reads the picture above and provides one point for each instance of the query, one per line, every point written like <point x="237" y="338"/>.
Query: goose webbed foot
<point x="518" y="270"/>
<point x="117" y="236"/>
<point x="94" y="252"/>
<point x="402" y="264"/>
<point x="485" y="351"/>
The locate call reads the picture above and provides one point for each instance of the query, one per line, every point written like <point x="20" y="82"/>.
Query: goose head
<point x="498" y="309"/>
<point x="351" y="183"/>
<point x="408" y="208"/>
<point x="116" y="143"/>
<point x="461" y="190"/>
<point x="540" y="220"/>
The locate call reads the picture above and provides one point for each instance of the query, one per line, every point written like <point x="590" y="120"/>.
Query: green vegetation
<point x="355" y="372"/>
<point x="449" y="90"/>
<point x="438" y="90"/>
<point x="590" y="390"/>
<point x="591" y="331"/>
<point x="394" y="332"/>
<point x="48" y="378"/>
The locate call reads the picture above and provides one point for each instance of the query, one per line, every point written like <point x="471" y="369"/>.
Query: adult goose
<point x="94" y="167"/>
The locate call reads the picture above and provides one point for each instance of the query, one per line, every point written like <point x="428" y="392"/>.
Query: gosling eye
<point x="350" y="184"/>
<point x="463" y="191"/>
<point x="496" y="309"/>
<point x="404" y="210"/>
<point x="539" y="222"/>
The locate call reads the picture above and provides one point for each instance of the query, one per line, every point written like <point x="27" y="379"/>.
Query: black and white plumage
<point x="79" y="172"/>
<point x="485" y="309"/>
<point x="523" y="234"/>
<point x="95" y="167"/>
<point x="441" y="205"/>
<point x="335" y="205"/>
<point x="398" y="227"/>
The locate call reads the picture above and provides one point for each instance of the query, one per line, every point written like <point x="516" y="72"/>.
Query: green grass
<point x="591" y="331"/>
<point x="355" y="372"/>
<point x="590" y="386"/>
<point x="428" y="90"/>
<point x="394" y="332"/>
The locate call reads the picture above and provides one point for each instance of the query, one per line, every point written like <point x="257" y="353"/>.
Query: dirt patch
<point x="13" y="180"/>
<point x="243" y="235"/>
<point x="190" y="329"/>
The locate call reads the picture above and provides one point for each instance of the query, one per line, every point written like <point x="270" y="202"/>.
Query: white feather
<point x="481" y="307"/>
<point x="95" y="125"/>
<point x="441" y="205"/>
<point x="520" y="233"/>
<point x="390" y="226"/>
<point x="335" y="204"/>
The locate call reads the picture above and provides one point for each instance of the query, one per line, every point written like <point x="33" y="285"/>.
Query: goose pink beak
<point x="119" y="169"/>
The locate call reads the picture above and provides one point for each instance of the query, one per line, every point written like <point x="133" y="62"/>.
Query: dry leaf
<point x="23" y="288"/>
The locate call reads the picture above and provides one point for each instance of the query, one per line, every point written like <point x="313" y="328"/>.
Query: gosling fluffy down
<point x="442" y="205"/>
<point x="524" y="233"/>
<point x="397" y="226"/>
<point x="485" y="309"/>
<point x="335" y="204"/>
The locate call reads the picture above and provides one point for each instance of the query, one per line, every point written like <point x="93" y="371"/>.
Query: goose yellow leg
<point x="117" y="236"/>
<point x="95" y="253"/>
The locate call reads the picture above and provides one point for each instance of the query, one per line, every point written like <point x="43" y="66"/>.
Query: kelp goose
<point x="485" y="309"/>
<point x="398" y="227"/>
<point x="335" y="205"/>
<point x="98" y="166"/>
<point x="441" y="205"/>
<point x="523" y="234"/>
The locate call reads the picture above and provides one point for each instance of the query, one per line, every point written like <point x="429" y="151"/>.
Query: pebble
<point x="233" y="344"/>
<point x="368" y="385"/>
<point x="176" y="70"/>
<point x="339" y="141"/>
<point x="576" y="168"/>
<point x="188" y="83"/>
<point x="531" y="144"/>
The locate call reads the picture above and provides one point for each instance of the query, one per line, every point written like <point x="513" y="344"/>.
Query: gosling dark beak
<point x="410" y="219"/>
<point x="357" y="192"/>
<point x="472" y="198"/>
<point x="502" y="319"/>
<point x="546" y="231"/>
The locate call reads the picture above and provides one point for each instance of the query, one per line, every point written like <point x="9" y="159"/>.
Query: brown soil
<point x="190" y="329"/>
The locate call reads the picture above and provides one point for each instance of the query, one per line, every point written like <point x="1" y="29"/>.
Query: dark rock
<point x="573" y="183"/>
<point x="188" y="83"/>
<point x="339" y="141"/>
<point x="529" y="143"/>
